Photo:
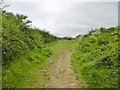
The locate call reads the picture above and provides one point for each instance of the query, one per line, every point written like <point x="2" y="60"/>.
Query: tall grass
<point x="20" y="72"/>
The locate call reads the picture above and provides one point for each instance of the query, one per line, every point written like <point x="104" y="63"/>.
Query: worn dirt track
<point x="58" y="71"/>
<point x="61" y="73"/>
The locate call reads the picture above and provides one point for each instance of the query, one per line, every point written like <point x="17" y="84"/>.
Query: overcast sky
<point x="67" y="17"/>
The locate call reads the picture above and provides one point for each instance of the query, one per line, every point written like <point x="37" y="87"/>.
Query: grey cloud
<point x="68" y="18"/>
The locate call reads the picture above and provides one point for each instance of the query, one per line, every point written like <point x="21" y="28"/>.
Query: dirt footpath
<point x="61" y="73"/>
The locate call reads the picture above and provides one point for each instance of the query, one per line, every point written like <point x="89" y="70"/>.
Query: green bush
<point x="19" y="37"/>
<point x="24" y="48"/>
<point x="96" y="58"/>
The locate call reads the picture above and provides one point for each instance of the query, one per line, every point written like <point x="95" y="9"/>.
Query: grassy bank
<point x="96" y="58"/>
<point x="20" y="73"/>
<point x="23" y="49"/>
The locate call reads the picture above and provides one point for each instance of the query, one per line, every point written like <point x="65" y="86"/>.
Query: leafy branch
<point x="3" y="7"/>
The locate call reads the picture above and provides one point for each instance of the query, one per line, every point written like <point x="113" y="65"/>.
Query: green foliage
<point x="96" y="57"/>
<point x="67" y="38"/>
<point x="19" y="37"/>
<point x="24" y="48"/>
<point x="20" y="73"/>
